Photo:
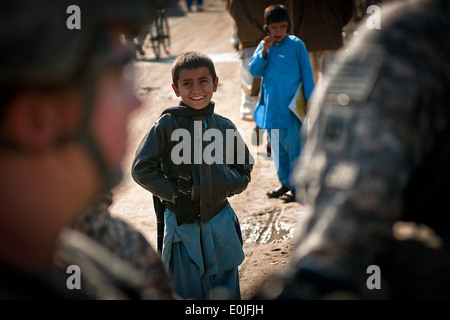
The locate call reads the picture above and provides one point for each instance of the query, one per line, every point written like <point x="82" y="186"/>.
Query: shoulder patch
<point x="353" y="74"/>
<point x="342" y="175"/>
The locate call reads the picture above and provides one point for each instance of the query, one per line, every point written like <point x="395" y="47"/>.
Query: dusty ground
<point x="267" y="224"/>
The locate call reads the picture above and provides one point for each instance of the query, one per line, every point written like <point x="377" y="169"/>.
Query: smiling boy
<point x="202" y="246"/>
<point x="195" y="87"/>
<point x="283" y="63"/>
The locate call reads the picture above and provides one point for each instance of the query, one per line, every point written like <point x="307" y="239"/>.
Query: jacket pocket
<point x="223" y="181"/>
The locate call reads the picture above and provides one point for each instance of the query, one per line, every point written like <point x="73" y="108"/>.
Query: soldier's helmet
<point x="40" y="44"/>
<point x="54" y="43"/>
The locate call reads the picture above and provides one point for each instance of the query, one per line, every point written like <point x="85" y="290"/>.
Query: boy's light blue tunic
<point x="286" y="65"/>
<point x="203" y="256"/>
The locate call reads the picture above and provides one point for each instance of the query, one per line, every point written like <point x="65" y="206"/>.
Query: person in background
<point x="319" y="24"/>
<point x="283" y="63"/>
<point x="248" y="16"/>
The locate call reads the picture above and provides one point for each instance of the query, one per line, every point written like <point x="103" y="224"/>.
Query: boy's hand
<point x="268" y="42"/>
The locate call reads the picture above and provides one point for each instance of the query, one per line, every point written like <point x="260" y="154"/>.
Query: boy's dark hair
<point x="276" y="13"/>
<point x="192" y="60"/>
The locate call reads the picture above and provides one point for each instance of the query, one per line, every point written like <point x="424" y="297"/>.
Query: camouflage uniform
<point x="375" y="174"/>
<point x="124" y="241"/>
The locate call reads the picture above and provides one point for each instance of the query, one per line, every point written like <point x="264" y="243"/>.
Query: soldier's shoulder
<point x="99" y="268"/>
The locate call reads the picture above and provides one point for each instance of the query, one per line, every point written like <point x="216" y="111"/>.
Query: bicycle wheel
<point x="163" y="30"/>
<point x="154" y="38"/>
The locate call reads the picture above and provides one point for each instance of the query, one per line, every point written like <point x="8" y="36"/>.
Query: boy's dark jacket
<point x="154" y="169"/>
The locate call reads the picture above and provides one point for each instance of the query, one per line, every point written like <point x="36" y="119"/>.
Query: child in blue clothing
<point x="283" y="63"/>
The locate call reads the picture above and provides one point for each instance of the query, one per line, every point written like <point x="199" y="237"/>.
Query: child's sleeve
<point x="242" y="165"/>
<point x="257" y="63"/>
<point x="306" y="71"/>
<point x="146" y="167"/>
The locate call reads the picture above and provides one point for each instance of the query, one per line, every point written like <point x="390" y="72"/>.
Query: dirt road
<point x="267" y="224"/>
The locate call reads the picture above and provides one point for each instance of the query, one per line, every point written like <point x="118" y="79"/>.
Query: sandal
<point x="278" y="192"/>
<point x="288" y="196"/>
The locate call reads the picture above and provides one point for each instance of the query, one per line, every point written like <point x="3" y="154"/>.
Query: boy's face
<point x="195" y="87"/>
<point x="278" y="30"/>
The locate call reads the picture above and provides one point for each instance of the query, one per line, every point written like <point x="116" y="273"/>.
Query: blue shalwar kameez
<point x="286" y="66"/>
<point x="201" y="257"/>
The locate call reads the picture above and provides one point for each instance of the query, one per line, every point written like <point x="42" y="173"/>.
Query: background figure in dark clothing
<point x="375" y="176"/>
<point x="248" y="16"/>
<point x="319" y="25"/>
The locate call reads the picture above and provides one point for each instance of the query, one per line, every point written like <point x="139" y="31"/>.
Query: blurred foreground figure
<point x="124" y="241"/>
<point x="64" y="103"/>
<point x="376" y="175"/>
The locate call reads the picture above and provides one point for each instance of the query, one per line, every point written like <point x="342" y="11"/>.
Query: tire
<point x="164" y="31"/>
